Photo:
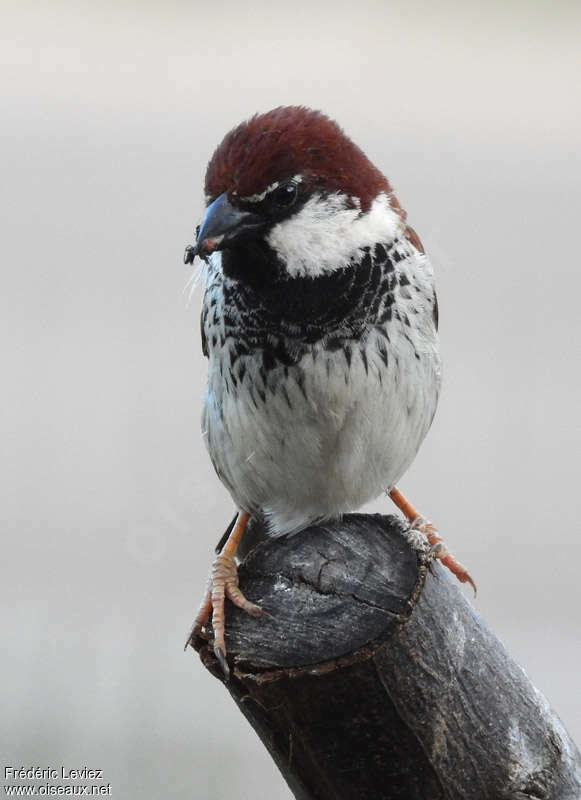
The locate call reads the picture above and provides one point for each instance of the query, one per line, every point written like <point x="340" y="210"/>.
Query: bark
<point x="373" y="677"/>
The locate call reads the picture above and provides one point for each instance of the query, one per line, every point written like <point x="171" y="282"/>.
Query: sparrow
<point x="320" y="325"/>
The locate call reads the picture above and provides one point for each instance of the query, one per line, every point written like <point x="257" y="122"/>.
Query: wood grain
<point x="373" y="677"/>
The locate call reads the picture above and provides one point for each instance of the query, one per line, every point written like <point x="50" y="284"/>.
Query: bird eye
<point x="284" y="195"/>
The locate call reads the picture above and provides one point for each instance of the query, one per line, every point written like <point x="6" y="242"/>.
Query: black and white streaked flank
<point x="319" y="322"/>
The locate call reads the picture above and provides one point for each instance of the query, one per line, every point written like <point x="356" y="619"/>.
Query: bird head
<point x="290" y="195"/>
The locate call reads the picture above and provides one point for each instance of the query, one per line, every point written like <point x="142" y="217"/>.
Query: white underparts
<point x="328" y="232"/>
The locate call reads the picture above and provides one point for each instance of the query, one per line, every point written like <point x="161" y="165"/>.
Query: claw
<point x="459" y="571"/>
<point x="438" y="548"/>
<point x="201" y="619"/>
<point x="222" y="584"/>
<point x="220" y="654"/>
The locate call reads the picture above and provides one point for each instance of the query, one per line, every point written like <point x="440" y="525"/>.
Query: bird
<point x="320" y="325"/>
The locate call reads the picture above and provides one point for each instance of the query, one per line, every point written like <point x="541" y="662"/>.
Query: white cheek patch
<point x="325" y="234"/>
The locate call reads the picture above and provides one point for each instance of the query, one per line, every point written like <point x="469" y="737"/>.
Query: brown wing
<point x="203" y="336"/>
<point x="413" y="237"/>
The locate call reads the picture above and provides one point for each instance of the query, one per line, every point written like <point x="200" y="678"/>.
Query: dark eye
<point x="284" y="195"/>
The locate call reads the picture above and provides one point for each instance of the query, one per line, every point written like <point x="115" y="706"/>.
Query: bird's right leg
<point x="222" y="584"/>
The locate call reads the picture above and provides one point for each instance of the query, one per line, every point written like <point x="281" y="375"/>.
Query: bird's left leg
<point x="222" y="584"/>
<point x="439" y="549"/>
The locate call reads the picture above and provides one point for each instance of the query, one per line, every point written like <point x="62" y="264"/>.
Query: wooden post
<point x="373" y="677"/>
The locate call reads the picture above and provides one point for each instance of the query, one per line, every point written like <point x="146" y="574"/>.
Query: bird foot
<point x="439" y="550"/>
<point x="222" y="584"/>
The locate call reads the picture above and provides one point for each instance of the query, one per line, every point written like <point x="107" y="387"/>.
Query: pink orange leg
<point x="438" y="547"/>
<point x="222" y="584"/>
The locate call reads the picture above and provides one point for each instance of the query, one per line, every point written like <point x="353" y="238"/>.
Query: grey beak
<point x="223" y="223"/>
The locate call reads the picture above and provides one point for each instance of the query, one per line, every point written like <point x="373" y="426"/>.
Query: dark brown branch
<point x="374" y="678"/>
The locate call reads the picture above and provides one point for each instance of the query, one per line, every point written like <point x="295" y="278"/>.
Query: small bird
<point x="320" y="324"/>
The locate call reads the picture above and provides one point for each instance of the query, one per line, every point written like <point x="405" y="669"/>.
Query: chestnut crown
<point x="286" y="142"/>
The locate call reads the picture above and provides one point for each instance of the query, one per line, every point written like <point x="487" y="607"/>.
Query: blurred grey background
<point x="110" y="506"/>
